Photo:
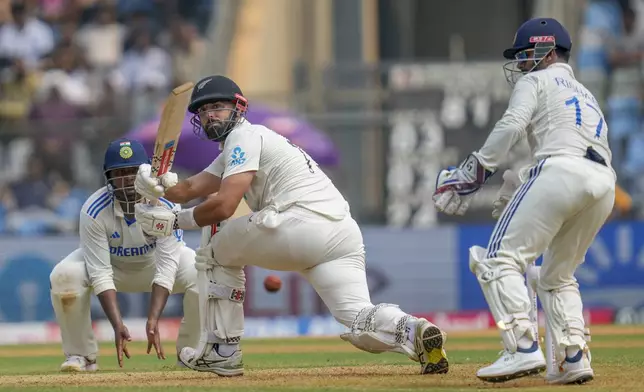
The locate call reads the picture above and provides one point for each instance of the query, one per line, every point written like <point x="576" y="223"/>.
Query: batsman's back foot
<point x="78" y="363"/>
<point x="429" y="347"/>
<point x="212" y="362"/>
<point x="575" y="370"/>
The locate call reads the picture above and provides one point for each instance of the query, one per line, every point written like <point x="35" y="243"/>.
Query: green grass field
<point x="319" y="365"/>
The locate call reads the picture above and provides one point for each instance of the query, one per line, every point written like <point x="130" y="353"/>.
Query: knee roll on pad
<point x="379" y="328"/>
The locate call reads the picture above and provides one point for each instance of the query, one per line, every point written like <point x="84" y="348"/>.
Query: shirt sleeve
<point x="96" y="251"/>
<point x="216" y="168"/>
<point x="167" y="254"/>
<point x="241" y="153"/>
<point x="513" y="124"/>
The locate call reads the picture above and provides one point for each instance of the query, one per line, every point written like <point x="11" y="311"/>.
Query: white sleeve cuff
<point x="102" y="286"/>
<point x="186" y="219"/>
<point x="164" y="282"/>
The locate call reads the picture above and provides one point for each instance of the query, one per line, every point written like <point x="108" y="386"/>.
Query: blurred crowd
<point x="610" y="62"/>
<point x="76" y="73"/>
<point x="63" y="62"/>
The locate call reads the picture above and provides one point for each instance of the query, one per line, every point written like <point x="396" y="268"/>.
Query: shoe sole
<point x="222" y="372"/>
<point x="514" y="376"/>
<point x="578" y="380"/>
<point x="76" y="369"/>
<point x="436" y="357"/>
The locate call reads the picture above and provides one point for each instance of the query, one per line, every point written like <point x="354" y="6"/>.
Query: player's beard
<point x="214" y="130"/>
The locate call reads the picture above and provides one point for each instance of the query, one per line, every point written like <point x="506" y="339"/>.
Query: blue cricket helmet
<point x="124" y="152"/>
<point x="539" y="31"/>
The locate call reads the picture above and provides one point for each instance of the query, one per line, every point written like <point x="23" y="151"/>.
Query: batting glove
<point x="511" y="182"/>
<point x="169" y="179"/>
<point x="157" y="221"/>
<point x="146" y="185"/>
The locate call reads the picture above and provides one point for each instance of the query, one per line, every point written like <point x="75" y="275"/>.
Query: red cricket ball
<point x="272" y="283"/>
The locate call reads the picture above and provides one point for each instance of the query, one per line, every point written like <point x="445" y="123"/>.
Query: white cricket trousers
<point x="71" y="291"/>
<point x="329" y="254"/>
<point x="557" y="212"/>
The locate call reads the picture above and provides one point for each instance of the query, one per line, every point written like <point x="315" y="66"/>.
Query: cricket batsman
<point x="116" y="254"/>
<point x="562" y="201"/>
<point x="300" y="222"/>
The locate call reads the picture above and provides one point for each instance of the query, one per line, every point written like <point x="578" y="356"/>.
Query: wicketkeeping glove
<point x="456" y="186"/>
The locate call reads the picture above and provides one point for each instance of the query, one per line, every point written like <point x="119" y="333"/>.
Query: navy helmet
<point x="534" y="40"/>
<point x="123" y="154"/>
<point x="210" y="90"/>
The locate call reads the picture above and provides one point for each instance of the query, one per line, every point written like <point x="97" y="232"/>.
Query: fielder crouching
<point x="115" y="254"/>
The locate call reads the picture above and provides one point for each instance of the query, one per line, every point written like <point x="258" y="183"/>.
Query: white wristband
<point x="186" y="219"/>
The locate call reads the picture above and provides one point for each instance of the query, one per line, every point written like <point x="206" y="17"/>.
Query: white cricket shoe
<point x="78" y="363"/>
<point x="429" y="343"/>
<point x="511" y="366"/>
<point x="575" y="370"/>
<point x="213" y="362"/>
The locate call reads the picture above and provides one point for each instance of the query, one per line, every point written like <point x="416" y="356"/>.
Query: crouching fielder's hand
<point x="157" y="221"/>
<point x="511" y="182"/>
<point x="153" y="188"/>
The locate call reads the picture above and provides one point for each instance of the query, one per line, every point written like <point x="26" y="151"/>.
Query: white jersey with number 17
<point x="285" y="174"/>
<point x="557" y="114"/>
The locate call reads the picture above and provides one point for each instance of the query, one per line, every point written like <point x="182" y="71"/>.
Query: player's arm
<point x="240" y="161"/>
<point x="167" y="264"/>
<point x="96" y="251"/>
<point x="219" y="207"/>
<point x="200" y="185"/>
<point x="168" y="185"/>
<point x="512" y="126"/>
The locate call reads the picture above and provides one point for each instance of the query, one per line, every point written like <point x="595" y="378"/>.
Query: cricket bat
<point x="165" y="145"/>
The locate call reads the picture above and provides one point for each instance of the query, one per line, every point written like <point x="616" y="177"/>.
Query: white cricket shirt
<point x="108" y="239"/>
<point x="557" y="114"/>
<point x="285" y="174"/>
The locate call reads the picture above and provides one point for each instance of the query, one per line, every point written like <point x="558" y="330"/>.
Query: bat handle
<point x="207" y="232"/>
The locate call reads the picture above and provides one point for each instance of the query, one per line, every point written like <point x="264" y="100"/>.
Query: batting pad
<point x="221" y="310"/>
<point x="564" y="318"/>
<point x="506" y="293"/>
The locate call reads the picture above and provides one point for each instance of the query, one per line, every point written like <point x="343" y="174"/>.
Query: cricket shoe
<point x="575" y="370"/>
<point x="428" y="345"/>
<point x="510" y="366"/>
<point x="78" y="363"/>
<point x="214" y="362"/>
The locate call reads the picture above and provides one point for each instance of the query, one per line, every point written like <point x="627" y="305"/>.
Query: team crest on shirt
<point x="237" y="157"/>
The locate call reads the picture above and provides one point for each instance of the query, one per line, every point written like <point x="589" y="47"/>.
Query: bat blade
<point x="165" y="145"/>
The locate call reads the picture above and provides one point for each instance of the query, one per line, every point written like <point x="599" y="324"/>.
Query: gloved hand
<point x="511" y="182"/>
<point x="153" y="188"/>
<point x="456" y="186"/>
<point x="157" y="221"/>
<point x="449" y="201"/>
